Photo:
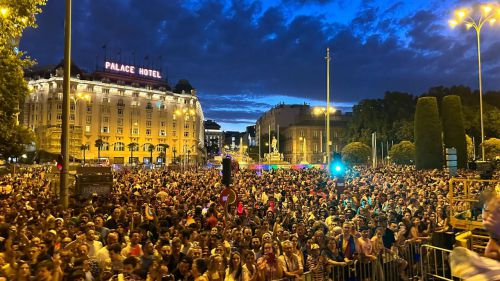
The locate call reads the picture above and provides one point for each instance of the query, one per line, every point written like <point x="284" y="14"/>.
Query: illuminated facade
<point x="130" y="117"/>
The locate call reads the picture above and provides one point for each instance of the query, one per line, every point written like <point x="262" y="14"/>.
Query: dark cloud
<point x="237" y="53"/>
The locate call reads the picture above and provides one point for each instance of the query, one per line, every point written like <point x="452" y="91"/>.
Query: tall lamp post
<point x="325" y="111"/>
<point x="63" y="188"/>
<point x="476" y="19"/>
<point x="328" y="106"/>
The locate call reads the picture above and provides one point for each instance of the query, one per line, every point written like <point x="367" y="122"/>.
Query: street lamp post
<point x="328" y="106"/>
<point x="477" y="20"/>
<point x="325" y="111"/>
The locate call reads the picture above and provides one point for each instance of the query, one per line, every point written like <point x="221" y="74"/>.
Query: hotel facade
<point x="117" y="114"/>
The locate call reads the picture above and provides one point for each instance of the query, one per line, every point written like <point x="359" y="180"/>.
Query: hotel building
<point x="130" y="113"/>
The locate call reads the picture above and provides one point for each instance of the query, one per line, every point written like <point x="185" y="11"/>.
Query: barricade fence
<point x="411" y="261"/>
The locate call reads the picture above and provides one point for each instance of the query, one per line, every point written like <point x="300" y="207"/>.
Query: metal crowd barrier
<point x="436" y="264"/>
<point x="411" y="261"/>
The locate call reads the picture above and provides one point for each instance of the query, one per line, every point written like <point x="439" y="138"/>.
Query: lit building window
<point x="135" y="131"/>
<point x="105" y="130"/>
<point x="87" y="128"/>
<point x="119" y="130"/>
<point x="105" y="146"/>
<point x="163" y="133"/>
<point x="119" y="146"/>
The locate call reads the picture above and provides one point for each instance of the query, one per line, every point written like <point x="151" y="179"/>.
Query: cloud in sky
<point x="246" y="56"/>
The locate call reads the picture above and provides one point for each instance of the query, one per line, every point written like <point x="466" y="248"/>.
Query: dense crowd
<point x="170" y="225"/>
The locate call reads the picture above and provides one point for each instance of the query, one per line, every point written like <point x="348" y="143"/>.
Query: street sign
<point x="228" y="196"/>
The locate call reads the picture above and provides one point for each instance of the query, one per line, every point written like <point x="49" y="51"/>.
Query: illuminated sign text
<point x="132" y="69"/>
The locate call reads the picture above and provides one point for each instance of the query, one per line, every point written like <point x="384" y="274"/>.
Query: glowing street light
<point x="323" y="111"/>
<point x="476" y="18"/>
<point x="4" y="11"/>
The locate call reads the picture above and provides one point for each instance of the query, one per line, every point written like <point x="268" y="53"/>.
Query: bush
<point x="453" y="128"/>
<point x="428" y="140"/>
<point x="356" y="153"/>
<point x="403" y="153"/>
<point x="492" y="148"/>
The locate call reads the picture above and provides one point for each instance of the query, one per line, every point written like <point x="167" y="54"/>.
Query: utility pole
<point x="63" y="192"/>
<point x="328" y="107"/>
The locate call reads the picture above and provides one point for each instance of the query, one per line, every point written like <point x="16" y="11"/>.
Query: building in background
<point x="232" y="139"/>
<point x="129" y="112"/>
<point x="214" y="138"/>
<point x="301" y="132"/>
<point x="249" y="137"/>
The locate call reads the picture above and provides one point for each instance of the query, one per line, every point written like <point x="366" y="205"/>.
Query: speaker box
<point x="226" y="171"/>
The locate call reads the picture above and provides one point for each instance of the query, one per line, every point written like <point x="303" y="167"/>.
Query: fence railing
<point x="411" y="261"/>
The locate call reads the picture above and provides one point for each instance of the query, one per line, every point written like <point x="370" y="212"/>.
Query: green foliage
<point x="356" y="153"/>
<point x="403" y="153"/>
<point x="453" y="128"/>
<point x="492" y="148"/>
<point x="391" y="117"/>
<point x="428" y="141"/>
<point x="17" y="16"/>
<point x="470" y="147"/>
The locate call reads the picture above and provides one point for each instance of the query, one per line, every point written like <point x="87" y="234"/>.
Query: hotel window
<point x="105" y="130"/>
<point x="315" y="148"/>
<point x="119" y="121"/>
<point x="120" y="111"/>
<point x="105" y="146"/>
<point x="59" y="105"/>
<point x="105" y="119"/>
<point x="72" y="117"/>
<point x="162" y="124"/>
<point x="186" y="125"/>
<point x="174" y="117"/>
<point x="160" y="148"/>
<point x="119" y="130"/>
<point x="105" y="91"/>
<point x="315" y="134"/>
<point x="72" y="106"/>
<point x="149" y="105"/>
<point x="149" y="115"/>
<point x="163" y="133"/>
<point x="186" y="134"/>
<point x="135" y="131"/>
<point x="87" y="128"/>
<point x="89" y="119"/>
<point x="59" y="116"/>
<point x="105" y="100"/>
<point x="120" y="102"/>
<point x="148" y="123"/>
<point x="89" y="108"/>
<point x="90" y="88"/>
<point x="121" y="92"/>
<point x="174" y="133"/>
<point x="174" y="125"/>
<point x="135" y="95"/>
<point x="148" y="132"/>
<point x="119" y="146"/>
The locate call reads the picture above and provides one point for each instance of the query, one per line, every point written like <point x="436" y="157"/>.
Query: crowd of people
<point x="171" y="225"/>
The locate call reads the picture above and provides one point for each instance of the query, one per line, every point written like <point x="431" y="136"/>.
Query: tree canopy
<point x="15" y="18"/>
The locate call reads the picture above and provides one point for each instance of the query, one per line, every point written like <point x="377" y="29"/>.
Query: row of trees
<point x="392" y="117"/>
<point x="402" y="153"/>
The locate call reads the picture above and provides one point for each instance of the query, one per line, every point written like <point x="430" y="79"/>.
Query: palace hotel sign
<point x="130" y="69"/>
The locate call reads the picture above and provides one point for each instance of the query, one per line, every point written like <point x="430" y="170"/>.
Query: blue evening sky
<point x="246" y="56"/>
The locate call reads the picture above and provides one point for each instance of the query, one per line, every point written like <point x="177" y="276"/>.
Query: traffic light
<point x="59" y="163"/>
<point x="337" y="167"/>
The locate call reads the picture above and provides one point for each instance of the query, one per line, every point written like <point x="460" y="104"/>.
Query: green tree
<point x="403" y="153"/>
<point x="492" y="148"/>
<point x="15" y="17"/>
<point x="356" y="153"/>
<point x="470" y="147"/>
<point x="428" y="140"/>
<point x="453" y="128"/>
